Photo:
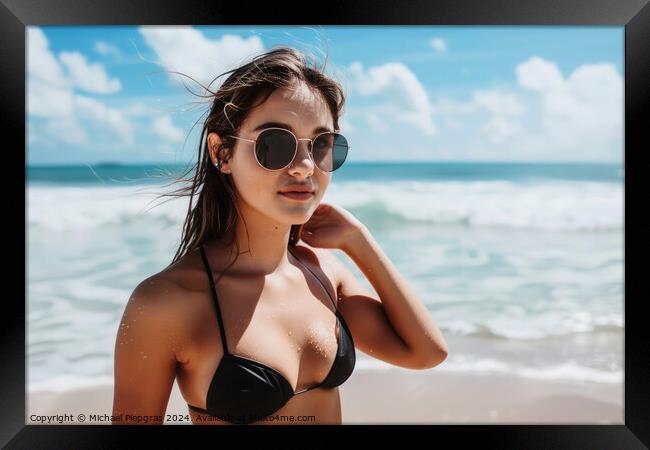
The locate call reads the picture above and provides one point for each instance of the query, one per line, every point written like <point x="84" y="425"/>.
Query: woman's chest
<point x="288" y="326"/>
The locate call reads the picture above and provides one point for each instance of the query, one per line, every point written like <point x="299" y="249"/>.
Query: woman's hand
<point x="330" y="227"/>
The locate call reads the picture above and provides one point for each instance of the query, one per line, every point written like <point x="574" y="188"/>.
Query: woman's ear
<point x="214" y="141"/>
<point x="213" y="144"/>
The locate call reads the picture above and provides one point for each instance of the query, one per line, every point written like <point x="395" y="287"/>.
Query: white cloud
<point x="88" y="77"/>
<point x="499" y="102"/>
<point x="452" y="123"/>
<point x="406" y="95"/>
<point x="65" y="129"/>
<point x="499" y="128"/>
<point x="581" y="115"/>
<point x="106" y="49"/>
<point x="47" y="93"/>
<point x="48" y="100"/>
<point x="539" y="75"/>
<point x="445" y="107"/>
<point x="113" y="118"/>
<point x="50" y="95"/>
<point x="505" y="110"/>
<point x="139" y="109"/>
<point x="185" y="49"/>
<point x="546" y="117"/>
<point x="42" y="65"/>
<point x="495" y="112"/>
<point x="376" y="123"/>
<point x="438" y="44"/>
<point x="164" y="128"/>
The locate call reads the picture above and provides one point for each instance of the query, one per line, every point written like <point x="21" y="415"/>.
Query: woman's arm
<point x="399" y="316"/>
<point x="145" y="360"/>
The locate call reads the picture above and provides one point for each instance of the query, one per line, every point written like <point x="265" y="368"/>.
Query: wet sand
<point x="407" y="396"/>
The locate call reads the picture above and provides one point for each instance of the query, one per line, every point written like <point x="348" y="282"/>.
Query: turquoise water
<point x="115" y="173"/>
<point x="520" y="265"/>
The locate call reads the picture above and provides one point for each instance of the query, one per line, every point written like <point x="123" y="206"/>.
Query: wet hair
<point x="214" y="215"/>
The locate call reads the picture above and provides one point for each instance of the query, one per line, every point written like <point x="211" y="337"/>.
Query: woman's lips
<point x="297" y="195"/>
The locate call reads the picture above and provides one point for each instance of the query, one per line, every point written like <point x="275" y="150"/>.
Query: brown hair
<point x="215" y="213"/>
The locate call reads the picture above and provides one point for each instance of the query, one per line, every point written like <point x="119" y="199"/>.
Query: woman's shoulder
<point x="322" y="259"/>
<point x="157" y="293"/>
<point x="185" y="275"/>
<point x="164" y="305"/>
<point x="167" y="289"/>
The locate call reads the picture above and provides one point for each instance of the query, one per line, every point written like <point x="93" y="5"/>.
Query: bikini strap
<point x="318" y="278"/>
<point x="216" y="301"/>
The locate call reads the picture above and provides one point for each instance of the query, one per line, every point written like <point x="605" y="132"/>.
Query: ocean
<point x="519" y="264"/>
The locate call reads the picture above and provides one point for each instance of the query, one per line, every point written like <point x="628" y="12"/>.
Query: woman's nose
<point x="303" y="153"/>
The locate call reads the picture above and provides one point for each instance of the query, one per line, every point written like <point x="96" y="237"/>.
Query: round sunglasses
<point x="276" y="148"/>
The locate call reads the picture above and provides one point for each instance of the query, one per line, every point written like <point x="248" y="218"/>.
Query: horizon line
<point x="379" y="162"/>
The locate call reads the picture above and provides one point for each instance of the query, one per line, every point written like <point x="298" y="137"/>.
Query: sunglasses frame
<point x="295" y="150"/>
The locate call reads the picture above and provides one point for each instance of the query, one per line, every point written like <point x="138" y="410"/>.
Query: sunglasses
<point x="276" y="148"/>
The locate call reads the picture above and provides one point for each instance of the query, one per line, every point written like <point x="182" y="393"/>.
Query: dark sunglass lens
<point x="330" y="151"/>
<point x="275" y="148"/>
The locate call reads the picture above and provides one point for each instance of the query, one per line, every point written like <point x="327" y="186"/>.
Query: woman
<point x="255" y="327"/>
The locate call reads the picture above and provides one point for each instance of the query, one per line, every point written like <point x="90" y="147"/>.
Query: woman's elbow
<point x="432" y="360"/>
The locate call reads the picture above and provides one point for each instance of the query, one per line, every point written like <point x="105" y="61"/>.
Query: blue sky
<point x="414" y="93"/>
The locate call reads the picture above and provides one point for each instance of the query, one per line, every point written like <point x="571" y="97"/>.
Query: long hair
<point x="214" y="214"/>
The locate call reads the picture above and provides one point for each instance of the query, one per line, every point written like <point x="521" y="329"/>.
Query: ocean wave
<point x="557" y="205"/>
<point x="538" y="327"/>
<point x="567" y="371"/>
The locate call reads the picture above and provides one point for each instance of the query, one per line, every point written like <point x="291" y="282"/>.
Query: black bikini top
<point x="243" y="390"/>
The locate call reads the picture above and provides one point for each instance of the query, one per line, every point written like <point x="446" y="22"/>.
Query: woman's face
<point x="303" y="111"/>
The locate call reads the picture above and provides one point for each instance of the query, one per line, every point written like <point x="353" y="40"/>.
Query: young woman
<point x="255" y="327"/>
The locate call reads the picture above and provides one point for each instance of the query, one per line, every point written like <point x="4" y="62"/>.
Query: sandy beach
<point x="408" y="396"/>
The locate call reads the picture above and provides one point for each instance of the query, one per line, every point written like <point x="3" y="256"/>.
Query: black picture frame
<point x="634" y="15"/>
